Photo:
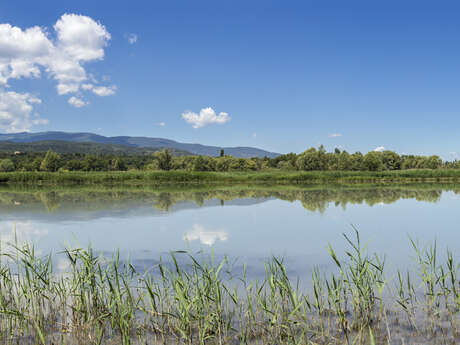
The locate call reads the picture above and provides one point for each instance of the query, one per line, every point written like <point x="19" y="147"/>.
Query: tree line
<point x="313" y="159"/>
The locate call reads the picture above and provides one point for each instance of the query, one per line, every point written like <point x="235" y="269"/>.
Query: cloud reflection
<point x="20" y="232"/>
<point x="206" y="237"/>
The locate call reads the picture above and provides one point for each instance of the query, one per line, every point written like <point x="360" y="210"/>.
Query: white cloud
<point x="104" y="90"/>
<point x="132" y="38"/>
<point x="87" y="87"/>
<point x="204" y="236"/>
<point x="16" y="112"/>
<point x="81" y="38"/>
<point x="254" y="135"/>
<point x="161" y="124"/>
<point x="100" y="90"/>
<point x="21" y="51"/>
<point x="207" y="116"/>
<point x="335" y="135"/>
<point x="30" y="52"/>
<point x="379" y="149"/>
<point x="77" y="102"/>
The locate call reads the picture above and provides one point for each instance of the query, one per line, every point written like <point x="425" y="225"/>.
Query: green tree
<point x="223" y="163"/>
<point x="93" y="163"/>
<point x="74" y="165"/>
<point x="117" y="164"/>
<point x="285" y="165"/>
<point x="152" y="166"/>
<point x="373" y="161"/>
<point x="250" y="165"/>
<point x="408" y="162"/>
<point x="357" y="161"/>
<point x="391" y="160"/>
<point x="6" y="165"/>
<point x="164" y="159"/>
<point x="308" y="160"/>
<point x="238" y="164"/>
<point x="433" y="162"/>
<point x="331" y="161"/>
<point x="51" y="162"/>
<point x="322" y="158"/>
<point x="201" y="164"/>
<point x="344" y="161"/>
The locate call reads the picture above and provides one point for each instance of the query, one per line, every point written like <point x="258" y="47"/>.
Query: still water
<point x="246" y="224"/>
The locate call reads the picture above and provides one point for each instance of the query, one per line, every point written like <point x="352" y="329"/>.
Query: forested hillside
<point x="60" y="146"/>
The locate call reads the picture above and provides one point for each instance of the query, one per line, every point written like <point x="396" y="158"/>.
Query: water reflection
<point x="205" y="237"/>
<point x="20" y="232"/>
<point x="248" y="223"/>
<point x="312" y="198"/>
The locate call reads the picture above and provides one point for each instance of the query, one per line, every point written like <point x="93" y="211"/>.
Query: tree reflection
<point x="312" y="198"/>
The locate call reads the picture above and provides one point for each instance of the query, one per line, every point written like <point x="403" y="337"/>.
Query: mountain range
<point x="135" y="142"/>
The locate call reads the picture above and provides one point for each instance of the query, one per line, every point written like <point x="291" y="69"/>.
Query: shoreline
<point x="212" y="178"/>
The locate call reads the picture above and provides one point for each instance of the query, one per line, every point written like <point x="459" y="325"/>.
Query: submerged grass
<point x="193" y="177"/>
<point x="196" y="300"/>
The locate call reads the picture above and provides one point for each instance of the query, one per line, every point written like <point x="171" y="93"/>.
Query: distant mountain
<point x="140" y="142"/>
<point x="61" y="146"/>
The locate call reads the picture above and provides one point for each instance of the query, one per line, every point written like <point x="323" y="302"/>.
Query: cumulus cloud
<point x="31" y="52"/>
<point x="206" y="117"/>
<point x="379" y="149"/>
<point x="335" y="135"/>
<point x="161" y="124"/>
<point x="206" y="237"/>
<point x="132" y="38"/>
<point x="77" y="102"/>
<point x="21" y="52"/>
<point x="100" y="90"/>
<point x="16" y="112"/>
<point x="79" y="39"/>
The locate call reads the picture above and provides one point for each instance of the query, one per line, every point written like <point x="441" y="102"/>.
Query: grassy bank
<point x="195" y="300"/>
<point x="268" y="177"/>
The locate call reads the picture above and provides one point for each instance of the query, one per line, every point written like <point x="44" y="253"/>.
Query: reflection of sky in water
<point x="206" y="237"/>
<point x="251" y="231"/>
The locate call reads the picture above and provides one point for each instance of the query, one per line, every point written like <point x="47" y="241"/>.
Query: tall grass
<point x="190" y="177"/>
<point x="194" y="299"/>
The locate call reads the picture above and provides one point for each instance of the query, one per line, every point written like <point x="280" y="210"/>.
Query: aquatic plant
<point x="194" y="299"/>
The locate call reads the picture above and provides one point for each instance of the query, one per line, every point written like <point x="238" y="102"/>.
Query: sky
<point x="278" y="75"/>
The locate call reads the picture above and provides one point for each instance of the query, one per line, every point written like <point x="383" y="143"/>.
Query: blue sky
<point x="287" y="74"/>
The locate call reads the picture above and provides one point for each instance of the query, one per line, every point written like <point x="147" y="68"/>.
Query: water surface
<point x="243" y="223"/>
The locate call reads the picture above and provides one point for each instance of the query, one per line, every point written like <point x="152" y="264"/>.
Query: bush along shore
<point x="212" y="178"/>
<point x="310" y="160"/>
<point x="201" y="301"/>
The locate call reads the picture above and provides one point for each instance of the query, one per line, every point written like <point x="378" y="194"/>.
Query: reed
<point x="136" y="177"/>
<point x="194" y="299"/>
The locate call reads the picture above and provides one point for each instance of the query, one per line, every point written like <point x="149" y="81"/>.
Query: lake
<point x="247" y="224"/>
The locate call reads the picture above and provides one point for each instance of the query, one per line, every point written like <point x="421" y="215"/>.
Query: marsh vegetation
<point x="271" y="177"/>
<point x="194" y="299"/>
